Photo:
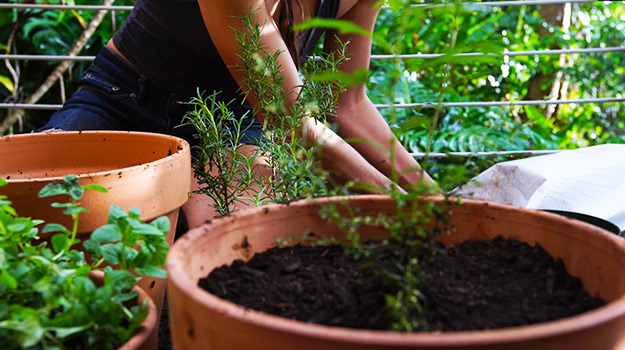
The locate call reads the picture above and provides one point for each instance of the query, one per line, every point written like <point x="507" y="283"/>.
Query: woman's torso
<point x="166" y="41"/>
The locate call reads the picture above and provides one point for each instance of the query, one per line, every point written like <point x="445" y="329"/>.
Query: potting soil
<point x="471" y="286"/>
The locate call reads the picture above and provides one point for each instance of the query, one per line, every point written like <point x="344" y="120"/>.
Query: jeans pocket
<point x="96" y="81"/>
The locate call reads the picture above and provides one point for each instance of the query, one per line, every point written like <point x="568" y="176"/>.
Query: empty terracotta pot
<point x="149" y="171"/>
<point x="200" y="320"/>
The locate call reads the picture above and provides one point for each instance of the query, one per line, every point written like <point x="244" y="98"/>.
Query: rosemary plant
<point x="230" y="177"/>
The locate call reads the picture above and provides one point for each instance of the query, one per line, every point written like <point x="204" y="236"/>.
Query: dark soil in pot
<point x="474" y="285"/>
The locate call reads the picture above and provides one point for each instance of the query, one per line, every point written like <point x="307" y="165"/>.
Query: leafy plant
<point x="224" y="172"/>
<point x="229" y="176"/>
<point x="48" y="299"/>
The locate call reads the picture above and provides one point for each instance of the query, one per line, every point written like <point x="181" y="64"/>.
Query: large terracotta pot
<point x="149" y="171"/>
<point x="200" y="320"/>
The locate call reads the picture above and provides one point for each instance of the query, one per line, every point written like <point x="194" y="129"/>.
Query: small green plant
<point x="229" y="176"/>
<point x="225" y="173"/>
<point x="47" y="297"/>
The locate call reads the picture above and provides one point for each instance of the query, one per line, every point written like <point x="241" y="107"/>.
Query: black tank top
<point x="167" y="42"/>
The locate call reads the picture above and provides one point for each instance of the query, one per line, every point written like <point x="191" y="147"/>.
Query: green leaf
<point x="17" y="227"/>
<point x="7" y="279"/>
<point x="123" y="297"/>
<point x="342" y="26"/>
<point x="115" y="213"/>
<point x="75" y="210"/>
<point x="3" y="259"/>
<point x="75" y="255"/>
<point x="59" y="242"/>
<point x="106" y="233"/>
<point x="417" y="121"/>
<point x="64" y="332"/>
<point x="52" y="189"/>
<point x="152" y="271"/>
<point x="26" y="325"/>
<point x="162" y="223"/>
<point x="93" y="248"/>
<point x="111" y="253"/>
<point x="360" y="76"/>
<point x="73" y="187"/>
<point x="76" y="191"/>
<point x="94" y="187"/>
<point x="134" y="212"/>
<point x="146" y="229"/>
<point x="84" y="285"/>
<point x="62" y="205"/>
<point x="119" y="280"/>
<point x="54" y="228"/>
<point x="8" y="83"/>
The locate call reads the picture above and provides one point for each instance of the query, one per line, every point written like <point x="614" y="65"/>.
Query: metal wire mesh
<point x="600" y="50"/>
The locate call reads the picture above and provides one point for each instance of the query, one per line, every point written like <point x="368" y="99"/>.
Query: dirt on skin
<point x="474" y="285"/>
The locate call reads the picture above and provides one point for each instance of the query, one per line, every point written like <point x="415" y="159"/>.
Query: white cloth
<point x="589" y="181"/>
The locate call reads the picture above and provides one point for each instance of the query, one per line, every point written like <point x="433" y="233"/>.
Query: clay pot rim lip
<point x="61" y="134"/>
<point x="579" y="322"/>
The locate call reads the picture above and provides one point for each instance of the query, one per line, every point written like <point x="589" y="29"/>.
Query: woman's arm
<point x="222" y="16"/>
<point x="357" y="115"/>
<point x="219" y="17"/>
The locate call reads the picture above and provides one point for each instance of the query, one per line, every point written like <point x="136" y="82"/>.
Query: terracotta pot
<point x="149" y="171"/>
<point x="146" y="338"/>
<point x="200" y="320"/>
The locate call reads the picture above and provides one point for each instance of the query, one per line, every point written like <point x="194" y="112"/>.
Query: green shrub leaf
<point x="152" y="271"/>
<point x="54" y="228"/>
<point x="106" y="233"/>
<point x="59" y="242"/>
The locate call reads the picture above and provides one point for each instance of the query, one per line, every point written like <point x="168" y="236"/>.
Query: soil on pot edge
<point x="474" y="285"/>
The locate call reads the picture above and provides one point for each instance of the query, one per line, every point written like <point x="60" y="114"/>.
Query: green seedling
<point x="47" y="298"/>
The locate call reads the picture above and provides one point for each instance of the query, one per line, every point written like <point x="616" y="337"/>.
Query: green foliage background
<point x="415" y="30"/>
<point x="49" y="32"/>
<point x="493" y="29"/>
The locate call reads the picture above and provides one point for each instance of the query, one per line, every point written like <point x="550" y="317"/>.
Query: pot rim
<point x="122" y="135"/>
<point x="575" y="323"/>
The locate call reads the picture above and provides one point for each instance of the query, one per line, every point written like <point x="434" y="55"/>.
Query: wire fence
<point x="438" y="155"/>
<point x="565" y="51"/>
<point x="128" y="8"/>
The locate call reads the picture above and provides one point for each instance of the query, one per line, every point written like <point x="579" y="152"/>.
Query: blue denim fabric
<point x="113" y="96"/>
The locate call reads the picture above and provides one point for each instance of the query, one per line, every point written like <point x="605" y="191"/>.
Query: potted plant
<point x="55" y="296"/>
<point x="146" y="170"/>
<point x="202" y="320"/>
<point x="409" y="221"/>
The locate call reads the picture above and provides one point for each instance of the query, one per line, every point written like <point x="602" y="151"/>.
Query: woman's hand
<point x="358" y="118"/>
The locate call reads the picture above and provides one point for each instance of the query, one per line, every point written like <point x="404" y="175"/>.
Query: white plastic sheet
<point x="589" y="181"/>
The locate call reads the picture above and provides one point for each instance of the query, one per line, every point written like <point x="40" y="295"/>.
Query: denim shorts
<point x="113" y="96"/>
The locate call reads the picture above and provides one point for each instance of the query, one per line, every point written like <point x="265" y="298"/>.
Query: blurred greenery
<point x="491" y="29"/>
<point x="416" y="29"/>
<point x="48" y="32"/>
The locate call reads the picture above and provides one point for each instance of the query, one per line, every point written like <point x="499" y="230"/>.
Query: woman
<point x="167" y="49"/>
